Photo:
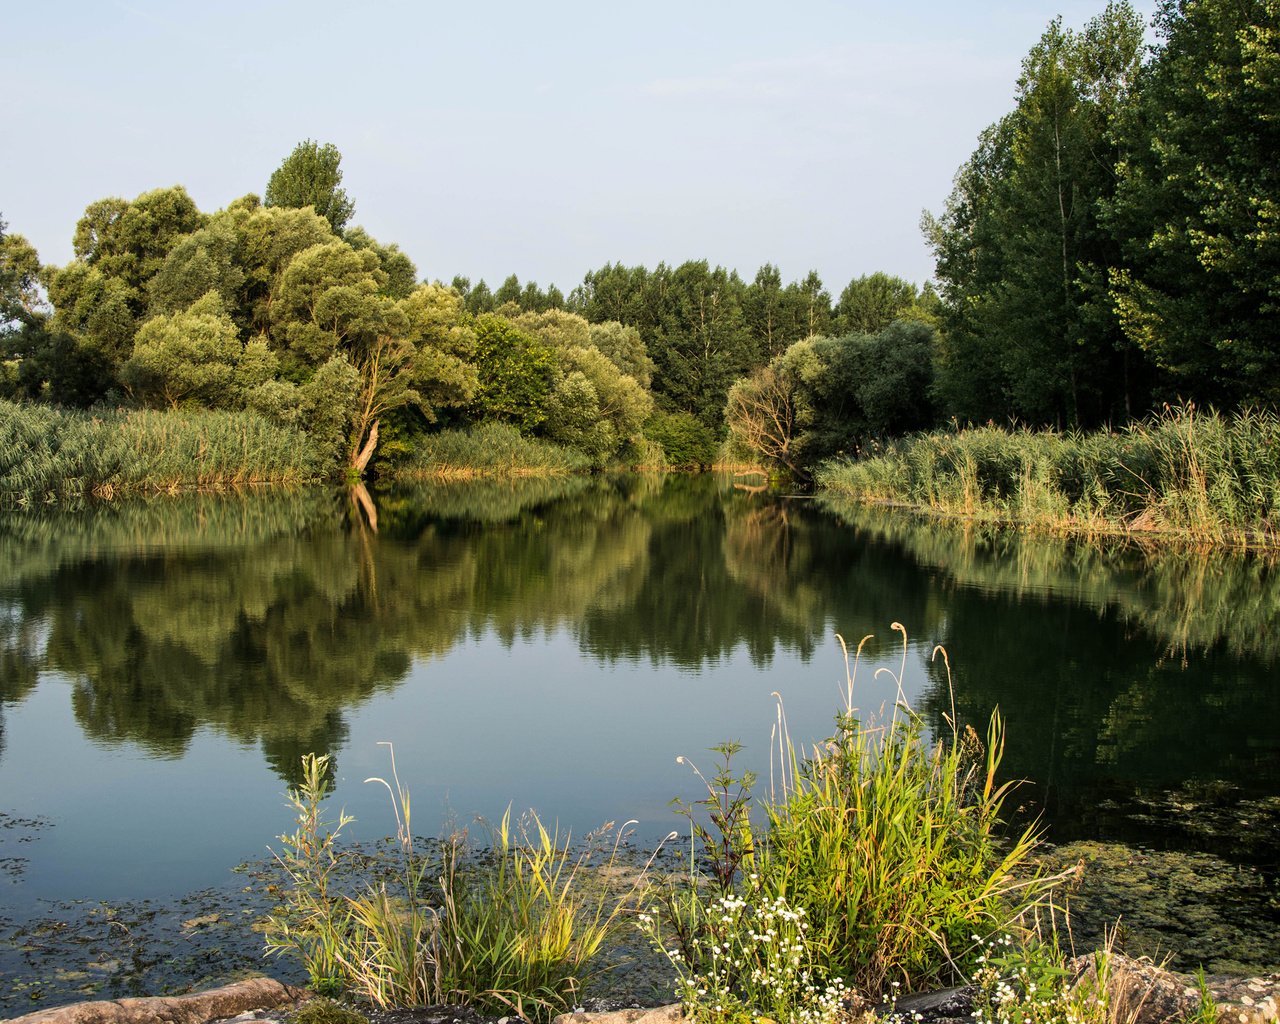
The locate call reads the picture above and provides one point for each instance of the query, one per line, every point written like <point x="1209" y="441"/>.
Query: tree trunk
<point x="361" y="459"/>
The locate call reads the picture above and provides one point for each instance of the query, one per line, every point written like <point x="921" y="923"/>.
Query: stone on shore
<point x="197" y="1008"/>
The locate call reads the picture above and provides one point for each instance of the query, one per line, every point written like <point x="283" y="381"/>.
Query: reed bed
<point x="491" y="449"/>
<point x="1204" y="475"/>
<point x="50" y="455"/>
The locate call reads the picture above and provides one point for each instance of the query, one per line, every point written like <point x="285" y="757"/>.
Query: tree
<point x="20" y="302"/>
<point x="401" y="274"/>
<point x="186" y="356"/>
<point x="328" y="295"/>
<point x="516" y="374"/>
<point x="870" y="303"/>
<point x="1198" y="201"/>
<point x="1021" y="251"/>
<point x="311" y="176"/>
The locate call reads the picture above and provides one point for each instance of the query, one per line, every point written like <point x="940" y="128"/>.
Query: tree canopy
<point x="311" y="176"/>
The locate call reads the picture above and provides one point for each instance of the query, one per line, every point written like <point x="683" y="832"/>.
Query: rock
<point x="948" y="1004"/>
<point x="197" y="1008"/>
<point x="1145" y="994"/>
<point x="671" y="1014"/>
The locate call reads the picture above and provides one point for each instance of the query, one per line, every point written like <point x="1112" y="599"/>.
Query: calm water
<point x="556" y="645"/>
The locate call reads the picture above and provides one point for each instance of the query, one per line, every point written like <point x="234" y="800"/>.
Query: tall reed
<point x="516" y="927"/>
<point x="1201" y="474"/>
<point x="52" y="455"/>
<point x="490" y="449"/>
<point x="893" y="845"/>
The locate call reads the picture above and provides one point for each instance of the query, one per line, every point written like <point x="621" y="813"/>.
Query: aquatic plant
<point x="1201" y="474"/>
<point x="50" y="455"/>
<point x="882" y="852"/>
<point x="515" y="927"/>
<point x="490" y="449"/>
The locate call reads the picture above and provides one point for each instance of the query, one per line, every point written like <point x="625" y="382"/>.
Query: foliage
<point x="310" y="176"/>
<point x="516" y="374"/>
<point x="1203" y="474"/>
<point x="1022" y="255"/>
<point x="887" y="900"/>
<point x="1197" y="199"/>
<point x="492" y="449"/>
<point x="881" y="864"/>
<point x="186" y="356"/>
<point x="824" y="396"/>
<point x="686" y="441"/>
<point x="749" y="960"/>
<point x="49" y="455"/>
<point x="20" y="301"/>
<point x="311" y="921"/>
<point x="514" y="929"/>
<point x="326" y="1011"/>
<point x="872" y="302"/>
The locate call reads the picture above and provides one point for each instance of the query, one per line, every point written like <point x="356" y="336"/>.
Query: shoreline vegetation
<point x="1185" y="475"/>
<point x="876" y="865"/>
<point x="1088" y="273"/>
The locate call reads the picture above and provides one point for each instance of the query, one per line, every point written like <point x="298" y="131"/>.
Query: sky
<point x="541" y="139"/>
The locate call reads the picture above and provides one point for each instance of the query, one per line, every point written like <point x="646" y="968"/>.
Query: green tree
<point x="1198" y="202"/>
<point x="516" y="374"/>
<point x="870" y="303"/>
<point x="328" y="295"/>
<point x="625" y="348"/>
<point x="186" y="356"/>
<point x="1021" y="252"/>
<point x="401" y="274"/>
<point x="21" y="304"/>
<point x="311" y="176"/>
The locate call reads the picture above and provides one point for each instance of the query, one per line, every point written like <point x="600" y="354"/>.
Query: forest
<point x="1110" y="248"/>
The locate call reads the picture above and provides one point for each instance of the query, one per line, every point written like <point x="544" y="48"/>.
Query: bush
<point x="513" y="929"/>
<point x="686" y="441"/>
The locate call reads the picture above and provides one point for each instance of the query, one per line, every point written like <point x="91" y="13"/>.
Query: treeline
<point x="1109" y="248"/>
<point x="276" y="307"/>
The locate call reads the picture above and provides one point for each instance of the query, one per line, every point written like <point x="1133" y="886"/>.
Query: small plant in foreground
<point x="748" y="959"/>
<point x="311" y="922"/>
<point x="514" y="928"/>
<point x="326" y="1011"/>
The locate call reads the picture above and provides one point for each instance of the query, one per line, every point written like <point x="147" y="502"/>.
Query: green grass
<point x="491" y="449"/>
<point x="50" y="455"/>
<point x="1202" y="475"/>
<point x="513" y="928"/>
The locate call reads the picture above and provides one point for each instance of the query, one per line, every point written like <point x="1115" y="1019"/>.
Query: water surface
<point x="556" y="645"/>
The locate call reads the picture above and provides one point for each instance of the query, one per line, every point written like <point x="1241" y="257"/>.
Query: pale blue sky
<point x="540" y="139"/>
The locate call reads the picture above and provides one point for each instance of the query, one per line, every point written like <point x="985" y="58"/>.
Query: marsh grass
<point x="894" y="844"/>
<point x="491" y="449"/>
<point x="513" y="928"/>
<point x="50" y="455"/>
<point x="1203" y="475"/>
<point x="882" y="851"/>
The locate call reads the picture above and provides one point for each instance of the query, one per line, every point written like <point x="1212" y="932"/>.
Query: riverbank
<point x="54" y="456"/>
<point x="1200" y="477"/>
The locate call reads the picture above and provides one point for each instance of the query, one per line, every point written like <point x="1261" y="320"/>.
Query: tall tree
<point x="311" y="176"/>
<point x="870" y="303"/>
<point x="1021" y="251"/>
<point x="1199" y="201"/>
